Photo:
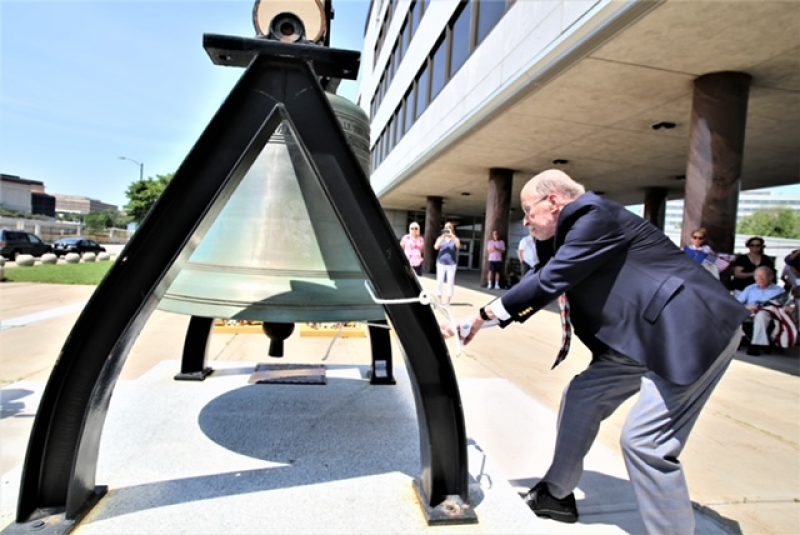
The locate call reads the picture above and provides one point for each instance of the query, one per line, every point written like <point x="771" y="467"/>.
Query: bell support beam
<point x="58" y="481"/>
<point x="58" y="478"/>
<point x="195" y="350"/>
<point x="381" y="347"/>
<point x="444" y="481"/>
<point x="230" y="51"/>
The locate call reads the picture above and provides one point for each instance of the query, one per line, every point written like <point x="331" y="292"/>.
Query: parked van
<point x="17" y="242"/>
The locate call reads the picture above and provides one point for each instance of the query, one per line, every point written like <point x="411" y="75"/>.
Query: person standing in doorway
<point x="496" y="249"/>
<point x="414" y="247"/>
<point x="448" y="245"/>
<point x="527" y="253"/>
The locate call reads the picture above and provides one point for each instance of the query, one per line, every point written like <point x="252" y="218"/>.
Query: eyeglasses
<point x="414" y="228"/>
<point x="698" y="237"/>
<point x="756" y="245"/>
<point x="529" y="208"/>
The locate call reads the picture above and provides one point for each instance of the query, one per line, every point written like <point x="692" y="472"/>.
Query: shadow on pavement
<point x="610" y="500"/>
<point x="9" y="401"/>
<point x="307" y="434"/>
<point x="786" y="362"/>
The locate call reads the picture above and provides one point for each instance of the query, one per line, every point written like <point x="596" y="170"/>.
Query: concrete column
<point x="716" y="143"/>
<point x="498" y="203"/>
<point x="433" y="227"/>
<point x="655" y="206"/>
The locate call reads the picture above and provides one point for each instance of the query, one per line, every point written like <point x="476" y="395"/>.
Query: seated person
<point x="754" y="298"/>
<point x="701" y="252"/>
<point x="791" y="272"/>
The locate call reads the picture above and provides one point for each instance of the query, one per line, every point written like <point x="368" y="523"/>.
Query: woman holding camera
<point x="448" y="245"/>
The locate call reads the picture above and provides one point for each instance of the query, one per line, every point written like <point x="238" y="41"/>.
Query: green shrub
<point x="89" y="273"/>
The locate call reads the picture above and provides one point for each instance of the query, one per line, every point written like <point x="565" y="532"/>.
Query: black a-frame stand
<point x="58" y="481"/>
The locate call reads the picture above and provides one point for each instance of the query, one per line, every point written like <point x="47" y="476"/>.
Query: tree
<point x="70" y="216"/>
<point x="143" y="194"/>
<point x="97" y="221"/>
<point x="777" y="222"/>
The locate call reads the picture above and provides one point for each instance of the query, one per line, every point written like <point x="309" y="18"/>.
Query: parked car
<point x="76" y="245"/>
<point x="17" y="242"/>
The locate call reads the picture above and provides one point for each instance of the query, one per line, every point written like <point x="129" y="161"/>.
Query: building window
<point x="408" y="103"/>
<point x="439" y="66"/>
<point x="412" y="27"/>
<point x="423" y="88"/>
<point x="403" y="39"/>
<point x="489" y="13"/>
<point x="416" y="13"/>
<point x="390" y="133"/>
<point x="399" y="119"/>
<point x="461" y="38"/>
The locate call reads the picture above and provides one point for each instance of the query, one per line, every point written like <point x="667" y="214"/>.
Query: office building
<point x="467" y="100"/>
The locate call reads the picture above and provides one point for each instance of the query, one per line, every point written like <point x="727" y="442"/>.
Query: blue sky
<point x="82" y="83"/>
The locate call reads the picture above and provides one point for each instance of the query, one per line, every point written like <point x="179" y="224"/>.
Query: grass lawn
<point x="89" y="273"/>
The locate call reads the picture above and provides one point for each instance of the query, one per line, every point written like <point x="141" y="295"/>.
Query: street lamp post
<point x="140" y="164"/>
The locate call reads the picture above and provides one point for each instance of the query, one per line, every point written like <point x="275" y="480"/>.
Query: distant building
<point x="76" y="204"/>
<point x="26" y="196"/>
<point x="43" y="204"/>
<point x="749" y="203"/>
<point x="29" y="197"/>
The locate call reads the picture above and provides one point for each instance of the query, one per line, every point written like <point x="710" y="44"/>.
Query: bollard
<point x="25" y="260"/>
<point x="49" y="258"/>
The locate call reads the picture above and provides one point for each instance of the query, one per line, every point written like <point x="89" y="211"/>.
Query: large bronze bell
<point x="277" y="252"/>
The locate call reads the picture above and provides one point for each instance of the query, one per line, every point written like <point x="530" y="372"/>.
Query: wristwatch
<point x="484" y="316"/>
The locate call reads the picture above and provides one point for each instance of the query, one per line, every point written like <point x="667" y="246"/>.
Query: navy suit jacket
<point x="631" y="289"/>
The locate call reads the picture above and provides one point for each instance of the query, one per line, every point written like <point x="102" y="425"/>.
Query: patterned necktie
<point x="566" y="329"/>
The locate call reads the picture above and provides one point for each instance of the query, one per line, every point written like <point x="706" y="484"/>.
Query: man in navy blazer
<point x="656" y="323"/>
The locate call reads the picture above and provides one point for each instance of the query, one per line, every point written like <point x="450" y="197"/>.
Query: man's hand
<point x="466" y="330"/>
<point x="472" y="327"/>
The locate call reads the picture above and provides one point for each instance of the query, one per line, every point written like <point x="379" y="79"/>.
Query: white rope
<point x="425" y="299"/>
<point x="335" y="337"/>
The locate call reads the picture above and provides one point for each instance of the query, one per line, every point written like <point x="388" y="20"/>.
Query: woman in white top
<point x="448" y="245"/>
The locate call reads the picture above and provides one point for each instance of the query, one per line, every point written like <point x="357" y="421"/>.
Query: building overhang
<point x="595" y="102"/>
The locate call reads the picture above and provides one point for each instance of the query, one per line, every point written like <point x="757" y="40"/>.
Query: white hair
<point x="765" y="269"/>
<point x="553" y="181"/>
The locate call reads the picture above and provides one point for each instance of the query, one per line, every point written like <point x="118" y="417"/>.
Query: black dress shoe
<point x="546" y="505"/>
<point x="753" y="350"/>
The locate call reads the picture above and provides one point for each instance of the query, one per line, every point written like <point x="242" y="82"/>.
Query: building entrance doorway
<point x="470" y="231"/>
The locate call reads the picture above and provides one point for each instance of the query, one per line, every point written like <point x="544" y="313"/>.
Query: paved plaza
<point x="226" y="455"/>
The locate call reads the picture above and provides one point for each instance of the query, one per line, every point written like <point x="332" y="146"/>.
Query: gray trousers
<point x="654" y="434"/>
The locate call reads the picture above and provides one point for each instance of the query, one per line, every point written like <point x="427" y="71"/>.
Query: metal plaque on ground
<point x="293" y="374"/>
